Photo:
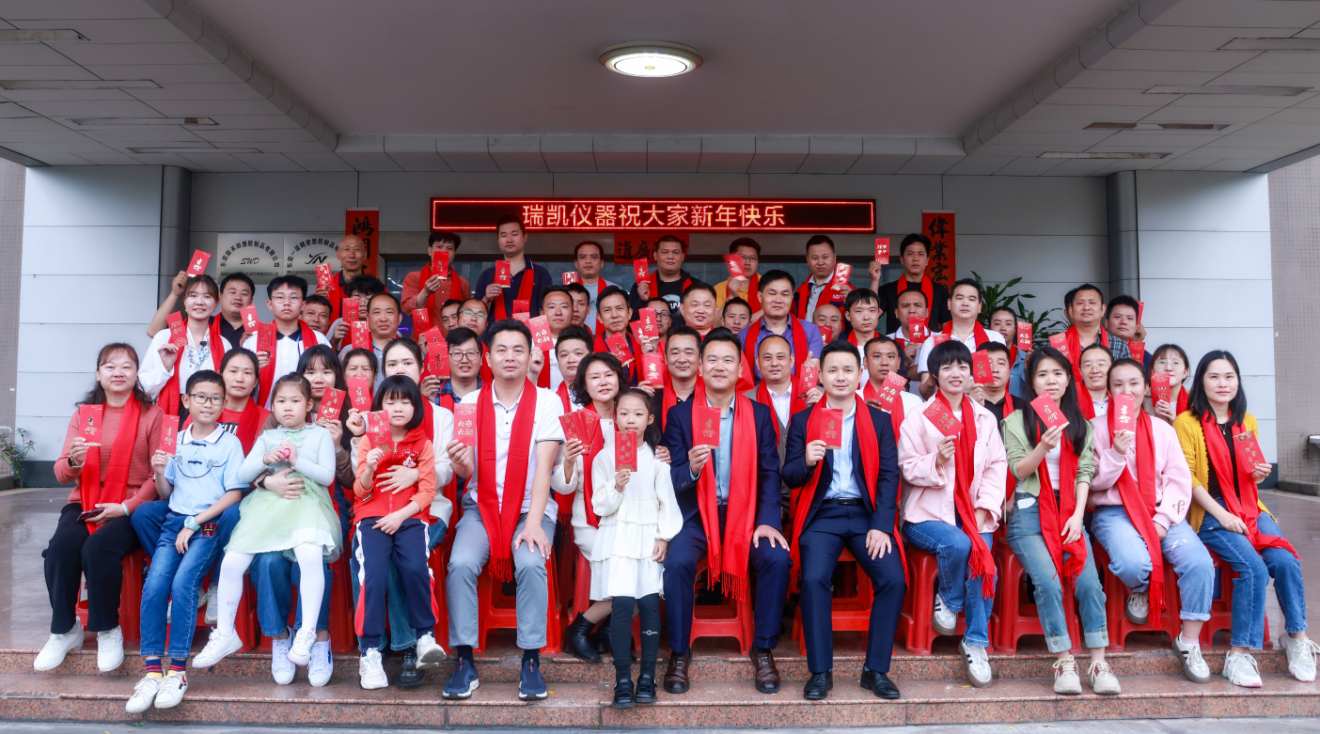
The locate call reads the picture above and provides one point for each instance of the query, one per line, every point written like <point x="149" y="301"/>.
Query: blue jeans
<point x="1254" y="570"/>
<point x="1025" y="539"/>
<point x="273" y="576"/>
<point x="1129" y="559"/>
<point x="176" y="576"/>
<point x="402" y="635"/>
<point x="961" y="592"/>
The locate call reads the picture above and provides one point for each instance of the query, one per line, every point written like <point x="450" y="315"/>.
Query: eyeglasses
<point x="207" y="399"/>
<point x="478" y="314"/>
<point x="465" y="356"/>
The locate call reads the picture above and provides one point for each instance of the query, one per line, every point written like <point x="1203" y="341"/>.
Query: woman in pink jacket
<point x="953" y="498"/>
<point x="1141" y="493"/>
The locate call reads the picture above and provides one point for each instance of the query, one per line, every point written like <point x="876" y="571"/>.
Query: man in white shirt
<point x="285" y="296"/>
<point x="557" y="308"/>
<point x="965" y="306"/>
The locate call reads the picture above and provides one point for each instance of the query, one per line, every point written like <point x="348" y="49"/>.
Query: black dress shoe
<point x="645" y="689"/>
<point x="623" y="694"/>
<point x="818" y="686"/>
<point x="676" y="677"/>
<point x="410" y="675"/>
<point x="879" y="684"/>
<point x="576" y="642"/>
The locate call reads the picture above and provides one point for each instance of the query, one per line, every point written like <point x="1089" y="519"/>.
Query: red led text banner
<point x="943" y="265"/>
<point x="659" y="215"/>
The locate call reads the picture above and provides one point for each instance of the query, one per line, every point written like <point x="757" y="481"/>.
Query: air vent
<point x="1157" y="126"/>
<point x="1105" y="155"/>
<point x="1245" y="89"/>
<point x="1272" y="44"/>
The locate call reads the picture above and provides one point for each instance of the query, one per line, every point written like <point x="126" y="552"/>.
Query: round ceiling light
<point x="650" y="58"/>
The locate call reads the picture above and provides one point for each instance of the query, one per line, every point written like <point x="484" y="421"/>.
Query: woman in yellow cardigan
<point x="1235" y="525"/>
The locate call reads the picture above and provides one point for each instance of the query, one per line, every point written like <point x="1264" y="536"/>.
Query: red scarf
<point x="654" y="280"/>
<point x="731" y="553"/>
<point x="588" y="456"/>
<point x="795" y="403"/>
<point x="91" y="490"/>
<point x="454" y="280"/>
<point x="802" y="297"/>
<point x="981" y="564"/>
<point x="168" y="400"/>
<point x="896" y="412"/>
<point x="1240" y="497"/>
<point x="1010" y="482"/>
<point x="1138" y="495"/>
<point x="1055" y="507"/>
<point x="562" y="392"/>
<point x="248" y="421"/>
<point x="978" y="332"/>
<point x="753" y="293"/>
<point x="543" y="378"/>
<point x="450" y="490"/>
<point x="1181" y="404"/>
<point x="528" y="279"/>
<point x="336" y="294"/>
<point x="428" y="421"/>
<point x="926" y="287"/>
<point x="501" y="518"/>
<point x="268" y="372"/>
<point x="801" y="352"/>
<point x="1074" y="341"/>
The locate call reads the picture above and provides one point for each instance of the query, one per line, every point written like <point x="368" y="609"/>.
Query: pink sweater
<point x="141" y="478"/>
<point x="928" y="487"/>
<point x="1173" y="480"/>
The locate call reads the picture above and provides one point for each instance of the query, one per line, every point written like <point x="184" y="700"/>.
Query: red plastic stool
<point x="1116" y="595"/>
<point x="438" y="563"/>
<point x="847" y="613"/>
<point x="918" y="633"/>
<point x="130" y="597"/>
<point x="733" y="618"/>
<point x="497" y="611"/>
<point x="1221" y="609"/>
<point x="1013" y="617"/>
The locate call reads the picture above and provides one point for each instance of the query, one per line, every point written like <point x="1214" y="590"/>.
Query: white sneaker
<point x="370" y="672"/>
<point x="1138" y="607"/>
<point x="212" y="607"/>
<point x="53" y="652"/>
<point x="218" y="647"/>
<point x="110" y="650"/>
<point x="1301" y="657"/>
<point x="942" y="618"/>
<point x="322" y="665"/>
<point x="144" y="694"/>
<point x="1194" y="665"/>
<point x="1102" y="679"/>
<point x="300" y="652"/>
<point x="172" y="690"/>
<point x="1241" y="669"/>
<point x="978" y="664"/>
<point x="429" y="652"/>
<point x="1066" y="681"/>
<point x="281" y="667"/>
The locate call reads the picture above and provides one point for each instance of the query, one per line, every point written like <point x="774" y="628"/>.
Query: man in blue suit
<point x="742" y="503"/>
<point x="851" y="500"/>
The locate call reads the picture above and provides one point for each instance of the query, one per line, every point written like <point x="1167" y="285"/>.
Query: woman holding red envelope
<point x="1054" y="463"/>
<point x="112" y="469"/>
<point x="954" y="469"/>
<point x="1141" y="493"/>
<point x="1172" y="360"/>
<point x="1218" y="438"/>
<point x="191" y="343"/>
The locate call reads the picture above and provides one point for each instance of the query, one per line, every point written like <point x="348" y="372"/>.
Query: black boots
<point x="623" y="694"/>
<point x="577" y="642"/>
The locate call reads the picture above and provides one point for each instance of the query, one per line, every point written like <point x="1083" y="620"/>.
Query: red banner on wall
<point x="365" y="223"/>
<point x="630" y="246"/>
<point x="939" y="227"/>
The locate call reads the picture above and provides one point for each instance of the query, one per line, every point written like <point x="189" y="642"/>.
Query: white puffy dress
<point x="631" y="522"/>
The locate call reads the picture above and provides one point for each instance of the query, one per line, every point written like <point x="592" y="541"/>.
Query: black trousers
<point x="73" y="553"/>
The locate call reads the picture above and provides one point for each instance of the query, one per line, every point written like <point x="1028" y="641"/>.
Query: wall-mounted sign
<point x="940" y="227"/>
<point x="260" y="256"/>
<point x="365" y="223"/>
<point x="659" y="215"/>
<point x="304" y="252"/>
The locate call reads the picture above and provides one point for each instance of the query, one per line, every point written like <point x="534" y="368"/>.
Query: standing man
<point x="697" y="308"/>
<point x="862" y="310"/>
<point x="292" y="336"/>
<point x="775" y="361"/>
<point x="464" y="368"/>
<point x="748" y="288"/>
<point x="995" y="396"/>
<point x="849" y="500"/>
<point x="1121" y="321"/>
<point x="352" y="256"/>
<point x="316" y="313"/>
<point x="584" y="305"/>
<point x="588" y="258"/>
<point x="731" y="517"/>
<point x="965" y="306"/>
<point x="1085" y="306"/>
<point x="529" y="279"/>
<point x="821" y="259"/>
<point x="557" y="307"/>
<point x="911" y="304"/>
<point x="669" y="281"/>
<point x="883" y="357"/>
<point x="383" y="319"/>
<point x="914" y="254"/>
<point x="682" y="364"/>
<point x="449" y="315"/>
<point x="1004" y="320"/>
<point x="776" y="301"/>
<point x="420" y="287"/>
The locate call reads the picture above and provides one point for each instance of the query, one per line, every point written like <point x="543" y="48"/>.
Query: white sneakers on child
<point x="109" y="650"/>
<point x="57" y="647"/>
<point x="942" y="618"/>
<point x="300" y="652"/>
<point x="1102" y="679"/>
<point x="1194" y="665"/>
<point x="1301" y="657"/>
<point x="429" y="652"/>
<point x="1241" y="669"/>
<point x="144" y="694"/>
<point x="978" y="664"/>
<point x="172" y="690"/>
<point x="322" y="665"/>
<point x="1066" y="680"/>
<point x="370" y="672"/>
<point x="218" y="647"/>
<point x="163" y="693"/>
<point x="281" y="667"/>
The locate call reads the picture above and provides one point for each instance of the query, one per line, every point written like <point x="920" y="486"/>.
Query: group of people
<point x="897" y="444"/>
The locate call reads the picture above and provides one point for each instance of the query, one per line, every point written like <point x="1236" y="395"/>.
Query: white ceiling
<point x="846" y="86"/>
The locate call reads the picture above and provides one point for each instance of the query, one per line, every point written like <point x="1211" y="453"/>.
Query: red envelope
<point x="981" y="368"/>
<point x="889" y="391"/>
<point x="503" y="273"/>
<point x="831" y="428"/>
<point x="178" y="330"/>
<point x="706" y="425"/>
<point x="1049" y="412"/>
<point x="1141" y="309"/>
<point x="636" y="327"/>
<point x="589" y="423"/>
<point x="1161" y="388"/>
<point x="618" y="345"/>
<point x="939" y="338"/>
<point x="378" y="428"/>
<point x="197" y="265"/>
<point x="325" y="276"/>
<point x="735" y="265"/>
<point x="842" y="272"/>
<point x="808" y="379"/>
<point x="332" y="402"/>
<point x="541" y="338"/>
<point x="1248" y="448"/>
<point x="625" y="450"/>
<point x="918" y="331"/>
<point x="572" y="277"/>
<point x="650" y="329"/>
<point x="266" y="338"/>
<point x="522" y="306"/>
<point x="826" y="333"/>
<point x="939" y="414"/>
<point x="1124" y="408"/>
<point x="421" y="320"/>
<point x="642" y="271"/>
<point x="653" y="370"/>
<point x="440" y="263"/>
<point x="169" y="433"/>
<point x="89" y="420"/>
<point x="359" y="393"/>
<point x="1138" y="350"/>
<point x="437" y="354"/>
<point x="250" y="319"/>
<point x="350" y="309"/>
<point x="571" y="427"/>
<point x="522" y="316"/>
<point x="1060" y="342"/>
<point x="465" y="423"/>
<point x="882" y="249"/>
<point x="1024" y="335"/>
<point x="361" y="331"/>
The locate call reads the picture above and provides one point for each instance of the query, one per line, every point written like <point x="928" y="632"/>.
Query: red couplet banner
<point x="939" y="227"/>
<point x="365" y="223"/>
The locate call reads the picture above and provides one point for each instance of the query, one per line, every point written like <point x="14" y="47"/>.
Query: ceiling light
<point x="139" y="121"/>
<point x="1272" y="44"/>
<point x="33" y="35"/>
<point x="193" y="150"/>
<point x="30" y="84"/>
<point x="1157" y="126"/>
<point x="650" y="58"/>
<point x="1258" y="90"/>
<point x="1100" y="155"/>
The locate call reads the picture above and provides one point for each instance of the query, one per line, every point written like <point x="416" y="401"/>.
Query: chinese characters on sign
<point x="365" y="223"/>
<point x="939" y="227"/>
<point x="659" y="215"/>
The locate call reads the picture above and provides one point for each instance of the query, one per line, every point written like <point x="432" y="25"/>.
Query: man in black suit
<point x="739" y="504"/>
<point x="849" y="499"/>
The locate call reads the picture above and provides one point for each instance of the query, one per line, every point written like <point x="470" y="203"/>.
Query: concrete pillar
<point x="11" y="266"/>
<point x="175" y="225"/>
<point x="1124" y="265"/>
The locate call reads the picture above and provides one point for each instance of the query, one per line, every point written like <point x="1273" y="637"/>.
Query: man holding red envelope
<point x="745" y="256"/>
<point x="849" y="499"/>
<point x="433" y="285"/>
<point x="351" y="252"/>
<point x="525" y="280"/>
<point x="669" y="280"/>
<point x="914" y="255"/>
